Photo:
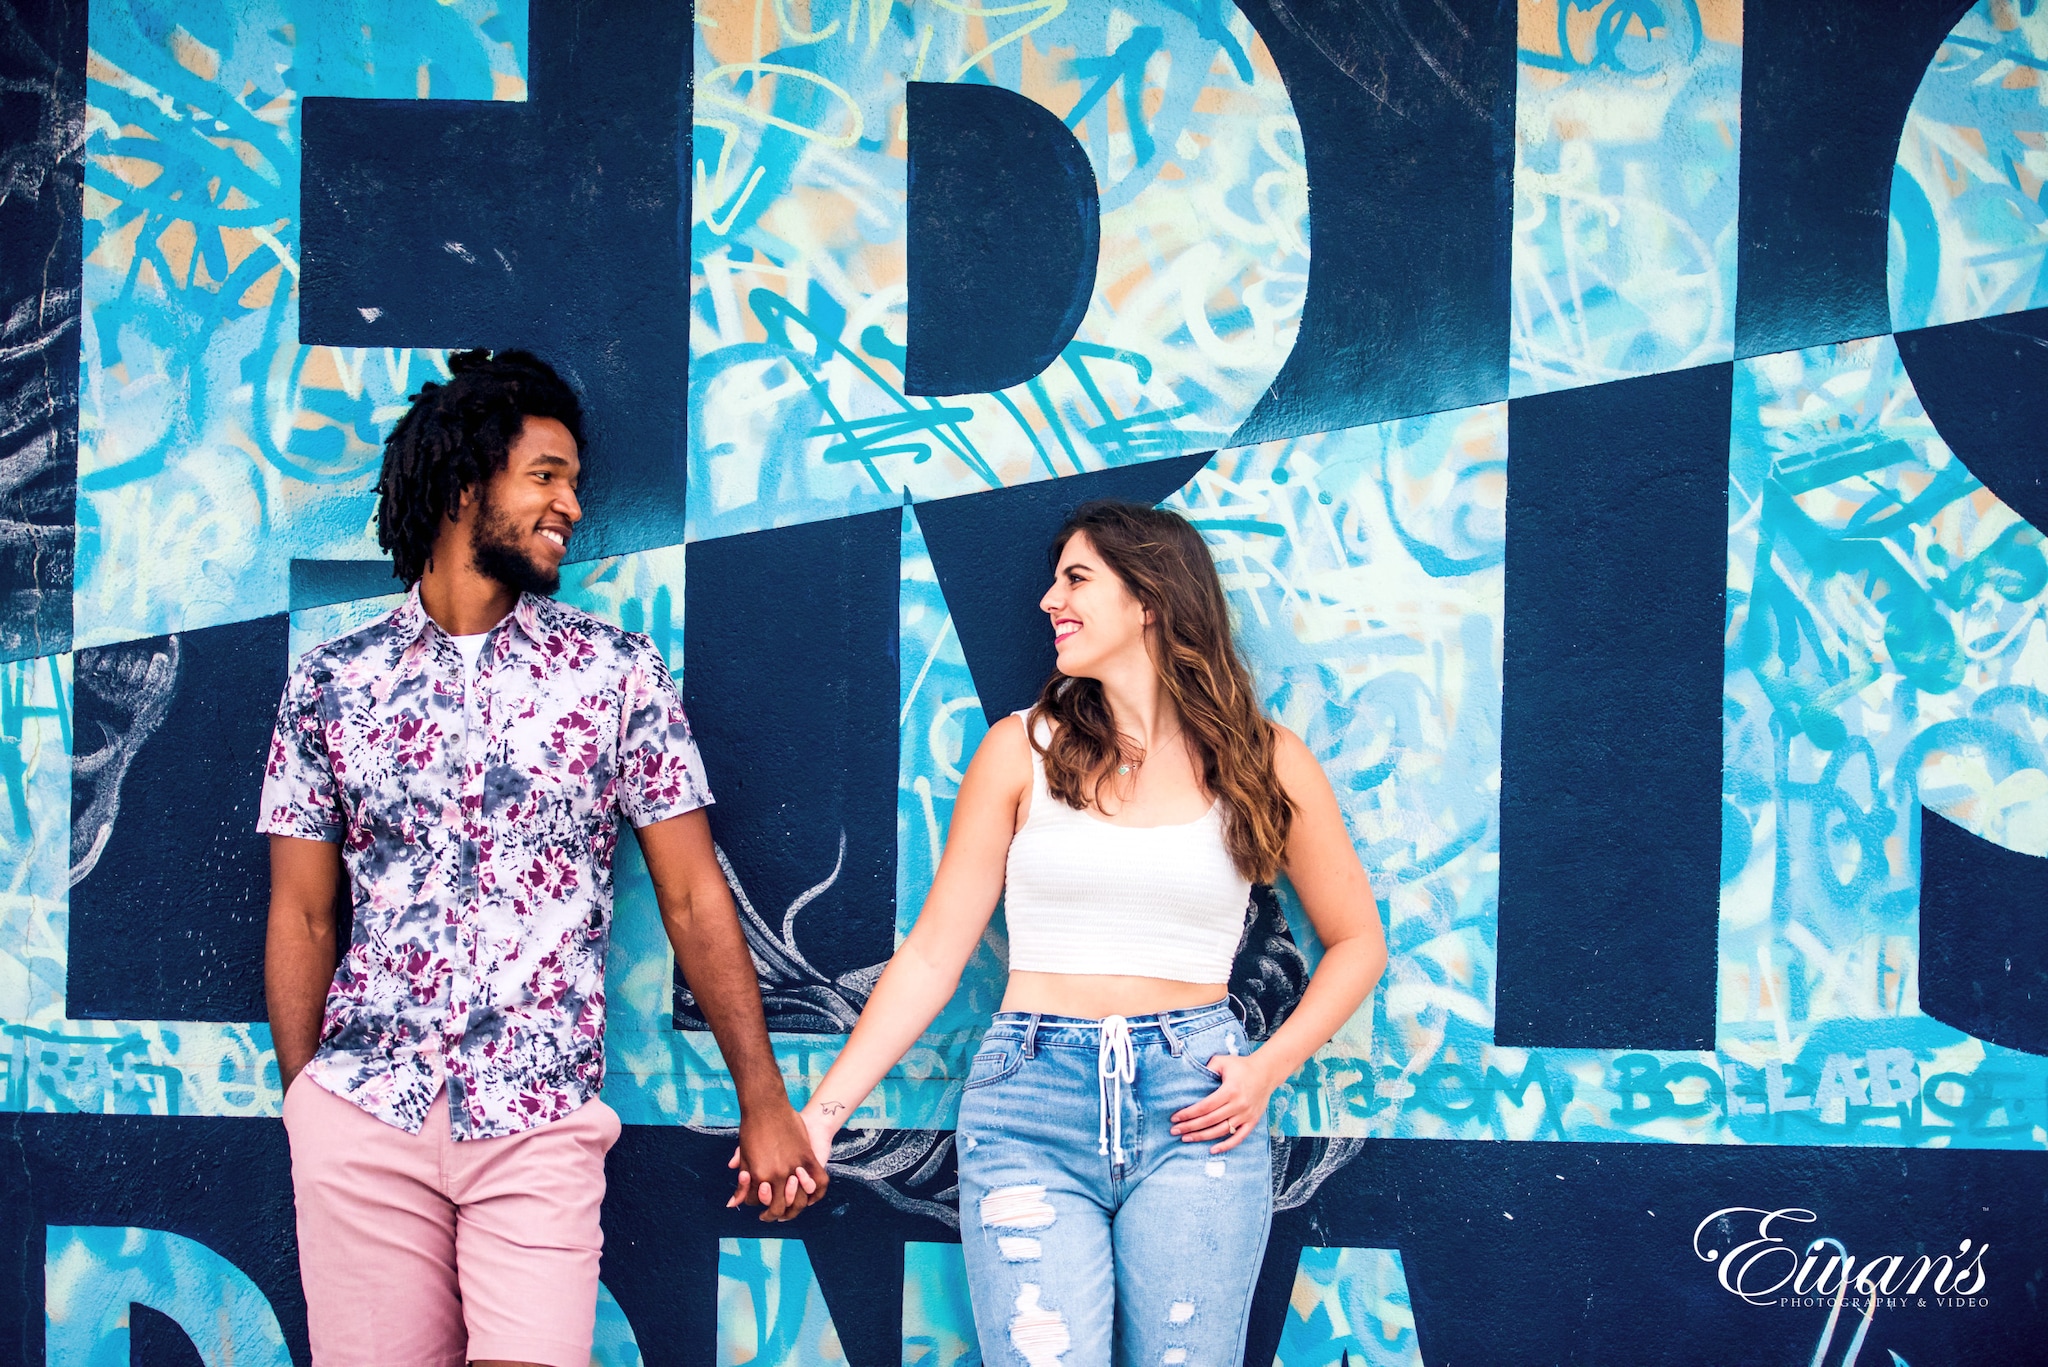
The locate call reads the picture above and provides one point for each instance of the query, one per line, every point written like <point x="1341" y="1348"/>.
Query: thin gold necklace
<point x="1128" y="765"/>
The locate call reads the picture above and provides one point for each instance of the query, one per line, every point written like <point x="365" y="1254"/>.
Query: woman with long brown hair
<point x="1114" y="1172"/>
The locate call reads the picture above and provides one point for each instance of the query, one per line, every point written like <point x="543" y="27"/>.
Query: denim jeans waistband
<point x="1042" y="1030"/>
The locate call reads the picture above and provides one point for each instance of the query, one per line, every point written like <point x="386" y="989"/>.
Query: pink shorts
<point x="417" y="1251"/>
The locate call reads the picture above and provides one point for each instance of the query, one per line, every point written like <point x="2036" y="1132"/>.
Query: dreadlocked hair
<point x="1162" y="560"/>
<point x="453" y="438"/>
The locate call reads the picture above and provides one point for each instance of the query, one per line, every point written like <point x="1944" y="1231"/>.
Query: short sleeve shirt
<point x="478" y="835"/>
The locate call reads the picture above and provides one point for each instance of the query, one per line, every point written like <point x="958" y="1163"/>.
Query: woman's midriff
<point x="1092" y="996"/>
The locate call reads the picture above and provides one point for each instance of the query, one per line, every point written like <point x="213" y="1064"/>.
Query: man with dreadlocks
<point x="462" y="762"/>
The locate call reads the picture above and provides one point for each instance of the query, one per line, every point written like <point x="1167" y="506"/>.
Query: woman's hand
<point x="821" y="1123"/>
<point x="1236" y="1106"/>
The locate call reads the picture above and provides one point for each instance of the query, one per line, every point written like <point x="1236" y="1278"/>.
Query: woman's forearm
<point x="905" y="1001"/>
<point x="1349" y="971"/>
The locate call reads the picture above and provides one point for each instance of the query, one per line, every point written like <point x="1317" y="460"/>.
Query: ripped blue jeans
<point x="1093" y="1235"/>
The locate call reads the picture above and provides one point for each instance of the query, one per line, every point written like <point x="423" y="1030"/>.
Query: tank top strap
<point x="1039" y="734"/>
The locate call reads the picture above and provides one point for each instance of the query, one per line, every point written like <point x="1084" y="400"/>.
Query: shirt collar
<point x="412" y="619"/>
<point x="526" y="612"/>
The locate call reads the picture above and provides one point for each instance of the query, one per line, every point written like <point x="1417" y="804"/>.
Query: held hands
<point x="1237" y="1105"/>
<point x="818" y="1126"/>
<point x="779" y="1166"/>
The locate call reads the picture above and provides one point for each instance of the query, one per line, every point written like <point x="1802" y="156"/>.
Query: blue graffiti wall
<point x="1620" y="426"/>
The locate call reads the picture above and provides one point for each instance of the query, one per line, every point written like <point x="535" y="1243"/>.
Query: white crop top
<point x="1084" y="895"/>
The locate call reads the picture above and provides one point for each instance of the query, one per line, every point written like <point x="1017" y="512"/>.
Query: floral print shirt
<point x="478" y="837"/>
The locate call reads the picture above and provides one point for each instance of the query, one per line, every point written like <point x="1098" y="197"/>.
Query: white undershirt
<point x="471" y="647"/>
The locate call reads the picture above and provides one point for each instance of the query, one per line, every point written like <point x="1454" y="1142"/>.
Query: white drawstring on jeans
<point x="1115" y="1066"/>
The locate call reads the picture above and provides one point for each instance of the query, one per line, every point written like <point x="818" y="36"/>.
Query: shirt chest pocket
<point x="561" y="762"/>
<point x="562" y="765"/>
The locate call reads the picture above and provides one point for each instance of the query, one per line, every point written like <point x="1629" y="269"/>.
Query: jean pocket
<point x="1227" y="1037"/>
<point x="995" y="1060"/>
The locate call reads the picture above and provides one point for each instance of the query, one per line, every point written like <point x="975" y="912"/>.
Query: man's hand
<point x="778" y="1167"/>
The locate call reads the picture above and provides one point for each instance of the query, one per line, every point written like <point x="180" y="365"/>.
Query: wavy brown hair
<point x="1162" y="562"/>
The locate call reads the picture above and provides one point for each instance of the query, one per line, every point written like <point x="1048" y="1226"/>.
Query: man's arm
<point x="299" y="952"/>
<point x="704" y="929"/>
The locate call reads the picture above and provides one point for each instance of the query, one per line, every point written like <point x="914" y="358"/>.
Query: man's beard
<point x="494" y="547"/>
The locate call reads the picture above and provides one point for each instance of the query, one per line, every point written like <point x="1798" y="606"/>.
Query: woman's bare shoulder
<point x="1294" y="764"/>
<point x="1005" y="753"/>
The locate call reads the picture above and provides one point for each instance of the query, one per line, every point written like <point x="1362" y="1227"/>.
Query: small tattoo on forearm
<point x="832" y="1108"/>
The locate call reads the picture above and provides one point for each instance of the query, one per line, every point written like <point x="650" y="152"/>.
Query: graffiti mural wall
<point x="1619" y="425"/>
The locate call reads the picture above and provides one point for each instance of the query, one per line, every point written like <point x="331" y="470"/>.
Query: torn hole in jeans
<point x="1017" y="1207"/>
<point x="1039" y="1335"/>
